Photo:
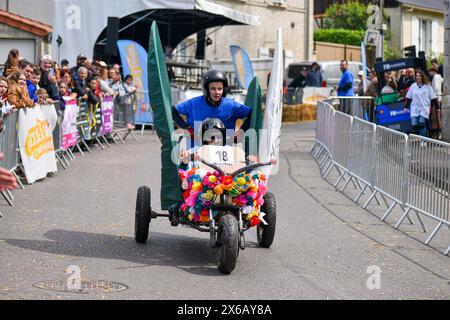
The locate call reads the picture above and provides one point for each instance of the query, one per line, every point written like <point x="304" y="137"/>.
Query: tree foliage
<point x="341" y="36"/>
<point x="350" y="16"/>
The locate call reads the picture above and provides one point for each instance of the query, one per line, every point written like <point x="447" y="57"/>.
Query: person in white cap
<point x="361" y="83"/>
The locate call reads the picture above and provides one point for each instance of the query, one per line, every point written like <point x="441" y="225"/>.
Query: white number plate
<point x="219" y="155"/>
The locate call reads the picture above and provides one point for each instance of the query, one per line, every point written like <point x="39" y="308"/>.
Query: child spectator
<point x="4" y="83"/>
<point x="42" y="95"/>
<point x="18" y="92"/>
<point x="64" y="95"/>
<point x="93" y="92"/>
<point x="33" y="84"/>
<point x="4" y="105"/>
<point x="128" y="101"/>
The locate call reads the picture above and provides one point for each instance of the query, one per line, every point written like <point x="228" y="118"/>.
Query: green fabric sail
<point x="254" y="100"/>
<point x="161" y="103"/>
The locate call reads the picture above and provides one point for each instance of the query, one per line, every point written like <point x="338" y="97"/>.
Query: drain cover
<point x="87" y="286"/>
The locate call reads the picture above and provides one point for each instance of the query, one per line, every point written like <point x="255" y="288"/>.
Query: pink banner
<point x="107" y="114"/>
<point x="69" y="132"/>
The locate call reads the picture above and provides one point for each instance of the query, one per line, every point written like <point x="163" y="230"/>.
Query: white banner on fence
<point x="269" y="145"/>
<point x="36" y="144"/>
<point x="49" y="113"/>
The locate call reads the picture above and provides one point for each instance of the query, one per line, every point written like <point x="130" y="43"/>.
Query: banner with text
<point x="36" y="144"/>
<point x="69" y="132"/>
<point x="107" y="114"/>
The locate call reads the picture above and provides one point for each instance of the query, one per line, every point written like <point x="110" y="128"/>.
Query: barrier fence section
<point x="9" y="142"/>
<point x="9" y="146"/>
<point x="411" y="171"/>
<point x="356" y="106"/>
<point x="342" y="144"/>
<point x="362" y="155"/>
<point x="323" y="148"/>
<point x="429" y="181"/>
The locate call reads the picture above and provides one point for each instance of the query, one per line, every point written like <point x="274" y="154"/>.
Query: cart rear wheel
<point x="143" y="214"/>
<point x="228" y="240"/>
<point x="266" y="233"/>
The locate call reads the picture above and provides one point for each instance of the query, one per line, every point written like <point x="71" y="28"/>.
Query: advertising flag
<point x="134" y="61"/>
<point x="242" y="66"/>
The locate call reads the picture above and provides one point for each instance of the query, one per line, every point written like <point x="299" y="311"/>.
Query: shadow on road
<point x="186" y="253"/>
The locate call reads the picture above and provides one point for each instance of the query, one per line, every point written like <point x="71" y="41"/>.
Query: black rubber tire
<point x="228" y="241"/>
<point x="266" y="234"/>
<point x="143" y="214"/>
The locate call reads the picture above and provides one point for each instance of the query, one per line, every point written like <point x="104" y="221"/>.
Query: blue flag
<point x="242" y="66"/>
<point x="134" y="62"/>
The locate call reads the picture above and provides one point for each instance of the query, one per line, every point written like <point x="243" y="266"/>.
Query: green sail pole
<point x="161" y="103"/>
<point x="254" y="100"/>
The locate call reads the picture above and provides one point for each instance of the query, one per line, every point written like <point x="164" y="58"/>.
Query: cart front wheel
<point x="228" y="240"/>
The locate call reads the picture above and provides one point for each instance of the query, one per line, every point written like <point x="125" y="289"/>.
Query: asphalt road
<point x="326" y="247"/>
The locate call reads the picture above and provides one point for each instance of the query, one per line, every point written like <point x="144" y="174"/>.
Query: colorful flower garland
<point x="246" y="190"/>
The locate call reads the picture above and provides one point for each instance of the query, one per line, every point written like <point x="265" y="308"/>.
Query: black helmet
<point x="213" y="128"/>
<point x="213" y="76"/>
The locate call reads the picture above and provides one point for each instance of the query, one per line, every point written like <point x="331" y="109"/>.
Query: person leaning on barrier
<point x="80" y="84"/>
<point x="105" y="83"/>
<point x="18" y="92"/>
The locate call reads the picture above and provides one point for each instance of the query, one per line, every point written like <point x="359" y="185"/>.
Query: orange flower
<point x="227" y="183"/>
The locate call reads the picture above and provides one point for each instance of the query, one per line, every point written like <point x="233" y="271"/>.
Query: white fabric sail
<point x="269" y="146"/>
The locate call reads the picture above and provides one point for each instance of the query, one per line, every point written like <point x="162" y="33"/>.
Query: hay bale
<point x="308" y="112"/>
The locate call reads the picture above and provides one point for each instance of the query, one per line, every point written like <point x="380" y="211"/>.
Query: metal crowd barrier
<point x="9" y="143"/>
<point x="341" y="147"/>
<point x="411" y="171"/>
<point x="428" y="182"/>
<point x="362" y="154"/>
<point x="391" y="159"/>
<point x="323" y="148"/>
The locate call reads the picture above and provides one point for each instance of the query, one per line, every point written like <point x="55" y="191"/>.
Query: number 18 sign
<point x="220" y="155"/>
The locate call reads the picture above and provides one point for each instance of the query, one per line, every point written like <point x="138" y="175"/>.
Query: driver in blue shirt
<point x="213" y="104"/>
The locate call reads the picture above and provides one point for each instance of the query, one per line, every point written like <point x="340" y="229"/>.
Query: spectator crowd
<point x="421" y="92"/>
<point x="25" y="84"/>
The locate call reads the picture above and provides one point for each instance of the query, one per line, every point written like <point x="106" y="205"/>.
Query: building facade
<point x="295" y="17"/>
<point x="419" y="23"/>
